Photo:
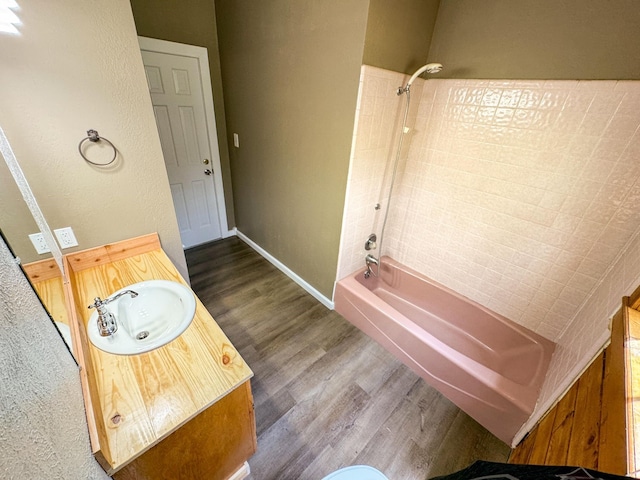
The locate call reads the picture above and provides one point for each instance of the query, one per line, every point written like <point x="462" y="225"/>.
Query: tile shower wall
<point x="378" y="120"/>
<point x="522" y="195"/>
<point x="588" y="330"/>
<point x="519" y="195"/>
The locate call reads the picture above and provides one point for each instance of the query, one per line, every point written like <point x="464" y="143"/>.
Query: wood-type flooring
<point x="327" y="396"/>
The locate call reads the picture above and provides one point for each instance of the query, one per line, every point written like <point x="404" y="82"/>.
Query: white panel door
<point x="178" y="105"/>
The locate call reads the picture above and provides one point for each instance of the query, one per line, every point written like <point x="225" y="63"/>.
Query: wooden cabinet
<point x="213" y="445"/>
<point x="181" y="411"/>
<point x="632" y="381"/>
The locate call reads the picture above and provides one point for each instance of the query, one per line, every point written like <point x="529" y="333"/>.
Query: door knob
<point x="205" y="161"/>
<point x="208" y="172"/>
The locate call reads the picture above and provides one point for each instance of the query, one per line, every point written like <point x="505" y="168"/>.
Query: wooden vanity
<point x="46" y="279"/>
<point x="183" y="410"/>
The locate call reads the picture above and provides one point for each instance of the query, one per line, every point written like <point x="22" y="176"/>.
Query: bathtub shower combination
<point x="489" y="366"/>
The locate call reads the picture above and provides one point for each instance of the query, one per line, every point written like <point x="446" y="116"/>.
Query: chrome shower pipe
<point x="429" y="68"/>
<point x="393" y="181"/>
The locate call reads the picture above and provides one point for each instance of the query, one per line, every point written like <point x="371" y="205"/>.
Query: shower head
<point x="429" y="68"/>
<point x="433" y="67"/>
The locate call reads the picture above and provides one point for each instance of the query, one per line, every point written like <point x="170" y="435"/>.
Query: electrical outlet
<point x="39" y="242"/>
<point x="65" y="237"/>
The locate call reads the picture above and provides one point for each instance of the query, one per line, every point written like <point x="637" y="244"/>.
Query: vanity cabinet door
<point x="213" y="445"/>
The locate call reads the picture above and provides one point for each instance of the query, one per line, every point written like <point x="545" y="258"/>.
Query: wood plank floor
<point x="326" y="396"/>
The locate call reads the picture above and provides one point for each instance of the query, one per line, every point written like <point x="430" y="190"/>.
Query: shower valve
<point x="370" y="244"/>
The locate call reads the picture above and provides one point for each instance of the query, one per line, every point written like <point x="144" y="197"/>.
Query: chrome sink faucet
<point x="107" y="324"/>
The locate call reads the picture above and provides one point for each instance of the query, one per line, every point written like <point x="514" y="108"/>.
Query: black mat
<point x="481" y="470"/>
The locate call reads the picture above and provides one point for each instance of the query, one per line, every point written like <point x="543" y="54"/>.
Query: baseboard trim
<point x="242" y="472"/>
<point x="229" y="233"/>
<point x="286" y="270"/>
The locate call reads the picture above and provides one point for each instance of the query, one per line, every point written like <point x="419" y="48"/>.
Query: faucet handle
<point x="370" y="244"/>
<point x="106" y="321"/>
<point x="97" y="303"/>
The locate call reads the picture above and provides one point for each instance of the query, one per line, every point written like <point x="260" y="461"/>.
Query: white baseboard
<point x="242" y="472"/>
<point x="564" y="387"/>
<point x="229" y="233"/>
<point x="286" y="270"/>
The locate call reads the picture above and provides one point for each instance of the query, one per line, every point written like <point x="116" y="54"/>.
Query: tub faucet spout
<point x="370" y="260"/>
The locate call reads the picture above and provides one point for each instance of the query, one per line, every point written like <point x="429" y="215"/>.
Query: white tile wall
<point x="378" y="118"/>
<point x="584" y="335"/>
<point x="522" y="195"/>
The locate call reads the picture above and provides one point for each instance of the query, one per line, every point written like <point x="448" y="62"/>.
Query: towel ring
<point x="92" y="136"/>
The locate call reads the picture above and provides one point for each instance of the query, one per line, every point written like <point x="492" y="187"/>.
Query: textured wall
<point x="290" y="75"/>
<point x="43" y="430"/>
<point x="76" y="65"/>
<point x="528" y="192"/>
<point x="166" y="20"/>
<point x="567" y="39"/>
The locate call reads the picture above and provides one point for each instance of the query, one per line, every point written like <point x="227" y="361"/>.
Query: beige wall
<point x="76" y="65"/>
<point x="399" y="33"/>
<point x="192" y="22"/>
<point x="544" y="39"/>
<point x="290" y="74"/>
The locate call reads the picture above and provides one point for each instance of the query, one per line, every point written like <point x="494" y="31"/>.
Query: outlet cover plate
<point x="39" y="243"/>
<point x="65" y="237"/>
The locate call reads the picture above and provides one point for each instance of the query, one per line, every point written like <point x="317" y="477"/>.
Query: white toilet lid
<point x="357" y="472"/>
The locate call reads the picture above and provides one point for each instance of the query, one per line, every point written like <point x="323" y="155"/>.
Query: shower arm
<point x="429" y="68"/>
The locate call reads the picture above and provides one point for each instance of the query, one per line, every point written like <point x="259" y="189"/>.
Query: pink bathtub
<point x="487" y="365"/>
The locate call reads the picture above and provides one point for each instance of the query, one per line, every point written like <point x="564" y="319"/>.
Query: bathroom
<point x="286" y="190"/>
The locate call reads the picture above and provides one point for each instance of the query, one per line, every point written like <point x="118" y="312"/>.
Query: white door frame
<point x="200" y="53"/>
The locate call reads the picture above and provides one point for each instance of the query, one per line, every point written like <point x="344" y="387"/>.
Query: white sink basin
<point x="159" y="314"/>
